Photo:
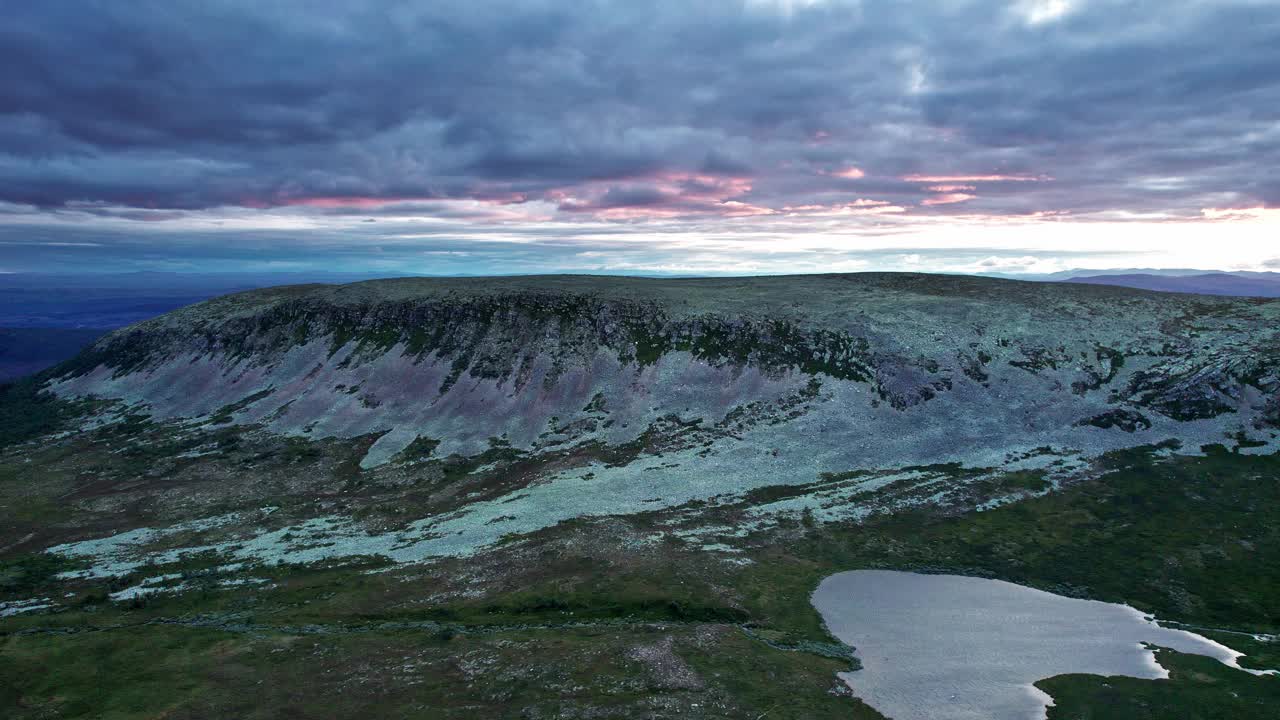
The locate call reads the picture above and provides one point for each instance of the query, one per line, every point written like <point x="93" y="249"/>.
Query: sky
<point x="622" y="136"/>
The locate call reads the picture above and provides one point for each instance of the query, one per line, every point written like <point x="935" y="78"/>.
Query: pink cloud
<point x="973" y="178"/>
<point x="947" y="199"/>
<point x="849" y="173"/>
<point x="733" y="208"/>
<point x="950" y="188"/>
<point x="631" y="213"/>
<point x="666" y="194"/>
<point x="694" y="186"/>
<point x="500" y="195"/>
<point x="489" y="207"/>
<point x="1236" y="214"/>
<point x="861" y="206"/>
<point x="346" y="201"/>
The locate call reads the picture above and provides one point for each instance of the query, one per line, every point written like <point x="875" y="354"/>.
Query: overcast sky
<point x="719" y="136"/>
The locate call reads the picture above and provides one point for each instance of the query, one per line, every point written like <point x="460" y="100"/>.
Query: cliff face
<point x="652" y="394"/>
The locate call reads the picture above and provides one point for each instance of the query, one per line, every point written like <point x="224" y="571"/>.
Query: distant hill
<point x="1237" y="284"/>
<point x="24" y="351"/>
<point x="1064" y="275"/>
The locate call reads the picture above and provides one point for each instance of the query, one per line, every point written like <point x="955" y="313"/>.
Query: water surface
<point x="960" y="648"/>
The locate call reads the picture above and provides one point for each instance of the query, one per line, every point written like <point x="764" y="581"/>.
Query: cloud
<point x="1038" y="12"/>
<point x="532" y="116"/>
<point x="969" y="178"/>
<point x="849" y="173"/>
<point x="947" y="199"/>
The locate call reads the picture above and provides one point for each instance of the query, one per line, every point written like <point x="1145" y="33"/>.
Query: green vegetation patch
<point x="710" y="671"/>
<point x="224" y="413"/>
<point x="420" y="449"/>
<point x="1198" y="688"/>
<point x="28" y="412"/>
<point x="22" y="575"/>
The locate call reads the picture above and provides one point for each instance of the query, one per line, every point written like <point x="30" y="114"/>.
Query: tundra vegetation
<point x="587" y="497"/>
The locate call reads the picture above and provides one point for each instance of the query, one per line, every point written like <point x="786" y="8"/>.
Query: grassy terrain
<point x="26" y="412"/>
<point x="1198" y="688"/>
<point x="639" y="671"/>
<point x="583" y="620"/>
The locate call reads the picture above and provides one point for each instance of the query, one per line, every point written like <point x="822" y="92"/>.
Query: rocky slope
<point x="961" y="362"/>
<point x="869" y="393"/>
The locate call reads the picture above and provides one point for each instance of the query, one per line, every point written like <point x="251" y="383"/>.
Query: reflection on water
<point x="945" y="646"/>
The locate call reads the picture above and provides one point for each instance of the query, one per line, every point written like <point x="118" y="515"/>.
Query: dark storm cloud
<point x="719" y="108"/>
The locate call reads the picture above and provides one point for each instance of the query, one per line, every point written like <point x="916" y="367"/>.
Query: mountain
<point x="590" y="496"/>
<point x="25" y="351"/>
<point x="1241" y="284"/>
<point x="462" y="361"/>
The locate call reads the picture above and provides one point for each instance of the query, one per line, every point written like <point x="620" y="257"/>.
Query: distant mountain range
<point x="1179" y="280"/>
<point x="1221" y="283"/>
